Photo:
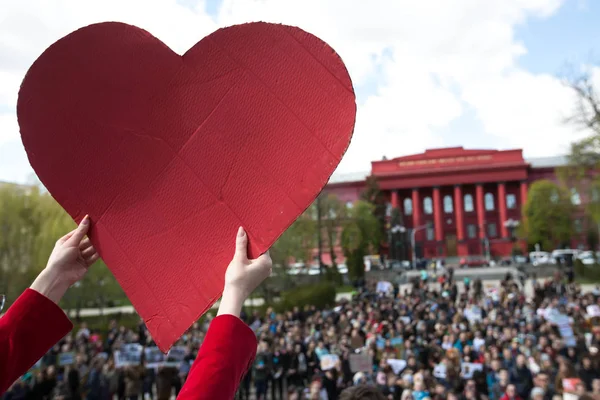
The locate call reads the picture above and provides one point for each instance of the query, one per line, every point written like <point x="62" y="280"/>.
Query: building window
<point x="471" y="231"/>
<point x="489" y="202"/>
<point x="408" y="206"/>
<point x="578" y="225"/>
<point x="575" y="199"/>
<point x="511" y="201"/>
<point x="492" y="232"/>
<point x="468" y="203"/>
<point x="448" y="207"/>
<point x="430" y="233"/>
<point x="388" y="210"/>
<point x="427" y="205"/>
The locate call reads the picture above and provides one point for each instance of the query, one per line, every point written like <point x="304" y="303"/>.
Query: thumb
<point x="241" y="245"/>
<point x="79" y="233"/>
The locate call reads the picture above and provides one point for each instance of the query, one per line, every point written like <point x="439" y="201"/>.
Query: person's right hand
<point x="242" y="276"/>
<point x="73" y="254"/>
<point x="68" y="263"/>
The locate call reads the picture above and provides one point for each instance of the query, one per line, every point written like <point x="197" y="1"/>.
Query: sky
<point x="427" y="73"/>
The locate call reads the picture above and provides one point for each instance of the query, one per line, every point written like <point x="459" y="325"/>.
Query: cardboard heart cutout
<point x="170" y="154"/>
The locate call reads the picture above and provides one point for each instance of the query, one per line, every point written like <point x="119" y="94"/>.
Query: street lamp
<point x="391" y="232"/>
<point x="511" y="225"/>
<point x="412" y="242"/>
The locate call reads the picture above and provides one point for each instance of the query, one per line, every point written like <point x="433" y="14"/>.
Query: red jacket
<point x="34" y="324"/>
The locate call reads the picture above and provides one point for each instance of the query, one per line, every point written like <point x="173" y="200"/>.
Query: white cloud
<point x="435" y="60"/>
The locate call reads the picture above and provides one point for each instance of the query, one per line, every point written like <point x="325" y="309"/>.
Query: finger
<point x="92" y="259"/>
<point x="85" y="243"/>
<point x="241" y="245"/>
<point x="66" y="237"/>
<point x="80" y="232"/>
<point x="264" y="258"/>
<point x="88" y="252"/>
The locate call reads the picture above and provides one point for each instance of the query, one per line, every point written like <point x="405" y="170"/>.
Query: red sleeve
<point x="27" y="331"/>
<point x="224" y="358"/>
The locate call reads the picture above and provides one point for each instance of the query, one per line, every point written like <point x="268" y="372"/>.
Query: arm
<point x="224" y="358"/>
<point x="229" y="348"/>
<point x="35" y="323"/>
<point x="28" y="330"/>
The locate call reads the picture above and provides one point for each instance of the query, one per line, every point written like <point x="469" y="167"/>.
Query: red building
<point x="460" y="200"/>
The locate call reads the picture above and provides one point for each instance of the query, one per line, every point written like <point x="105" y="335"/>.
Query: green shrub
<point x="333" y="275"/>
<point x="320" y="295"/>
<point x="587" y="273"/>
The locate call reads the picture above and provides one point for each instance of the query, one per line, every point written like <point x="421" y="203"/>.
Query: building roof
<point x="547" y="162"/>
<point x="534" y="162"/>
<point x="349" y="177"/>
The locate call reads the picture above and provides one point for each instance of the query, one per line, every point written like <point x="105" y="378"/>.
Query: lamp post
<point x="412" y="242"/>
<point x="511" y="225"/>
<point x="393" y="231"/>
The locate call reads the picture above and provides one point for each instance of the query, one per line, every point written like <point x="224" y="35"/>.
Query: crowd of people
<point x="442" y="341"/>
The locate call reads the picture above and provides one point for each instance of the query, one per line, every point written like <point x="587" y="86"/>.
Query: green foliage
<point x="374" y="196"/>
<point x="30" y="224"/>
<point x="361" y="233"/>
<point x="516" y="250"/>
<point x="587" y="273"/>
<point x="296" y="242"/>
<point x="592" y="238"/>
<point x="320" y="295"/>
<point x="333" y="213"/>
<point x="332" y="274"/>
<point x="548" y="215"/>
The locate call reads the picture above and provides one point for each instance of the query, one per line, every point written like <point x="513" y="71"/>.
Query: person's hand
<point x="72" y="256"/>
<point x="242" y="276"/>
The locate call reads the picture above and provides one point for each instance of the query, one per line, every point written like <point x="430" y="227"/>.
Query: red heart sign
<point x="170" y="154"/>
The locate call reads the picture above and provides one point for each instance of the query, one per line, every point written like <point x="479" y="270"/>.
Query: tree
<point x="30" y="223"/>
<point x="584" y="156"/>
<point x="373" y="195"/>
<point x="548" y="215"/>
<point x="333" y="213"/>
<point x="361" y="234"/>
<point x="296" y="243"/>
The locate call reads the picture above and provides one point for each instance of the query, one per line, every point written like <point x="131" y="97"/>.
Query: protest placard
<point x="328" y="361"/>
<point x="175" y="356"/>
<point x="129" y="354"/>
<point x="384" y="287"/>
<point x="154" y="357"/>
<point x="439" y="371"/>
<point x="397" y="365"/>
<point x="360" y="362"/>
<point x="65" y="359"/>
<point x="467" y="369"/>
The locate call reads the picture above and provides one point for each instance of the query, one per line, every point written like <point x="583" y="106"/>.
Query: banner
<point x="129" y="354"/>
<point x="384" y="287"/>
<point x="397" y="365"/>
<point x="467" y="369"/>
<point x="329" y="361"/>
<point x="155" y="358"/>
<point x="65" y="359"/>
<point x="360" y="363"/>
<point x="439" y="371"/>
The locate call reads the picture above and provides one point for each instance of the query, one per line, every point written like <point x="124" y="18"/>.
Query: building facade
<point x="462" y="202"/>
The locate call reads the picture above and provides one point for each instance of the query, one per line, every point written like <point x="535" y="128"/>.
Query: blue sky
<point x="570" y="36"/>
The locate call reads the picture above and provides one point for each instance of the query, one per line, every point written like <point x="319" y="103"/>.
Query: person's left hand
<point x="73" y="254"/>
